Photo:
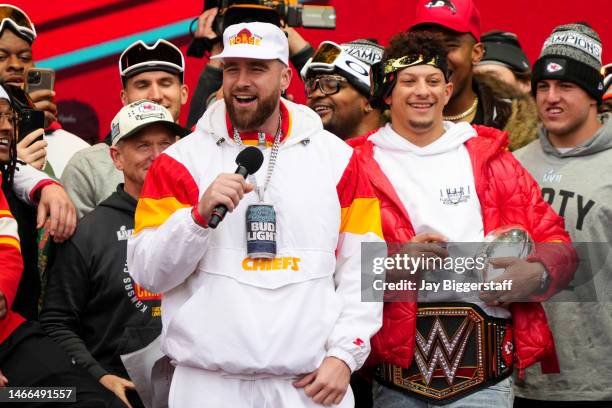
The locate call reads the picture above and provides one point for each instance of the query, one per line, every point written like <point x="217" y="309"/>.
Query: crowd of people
<point x="147" y="271"/>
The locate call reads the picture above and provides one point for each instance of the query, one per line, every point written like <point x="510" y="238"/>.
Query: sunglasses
<point x="328" y="85"/>
<point x="18" y="20"/>
<point x="139" y="56"/>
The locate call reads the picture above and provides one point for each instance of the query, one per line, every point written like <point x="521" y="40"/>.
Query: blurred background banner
<point x="82" y="40"/>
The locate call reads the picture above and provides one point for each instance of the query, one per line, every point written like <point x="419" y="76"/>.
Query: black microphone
<point x="249" y="161"/>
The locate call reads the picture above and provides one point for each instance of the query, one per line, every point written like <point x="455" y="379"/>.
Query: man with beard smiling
<point x="337" y="84"/>
<point x="276" y="321"/>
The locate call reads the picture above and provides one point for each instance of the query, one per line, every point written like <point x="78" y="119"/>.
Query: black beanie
<point x="571" y="53"/>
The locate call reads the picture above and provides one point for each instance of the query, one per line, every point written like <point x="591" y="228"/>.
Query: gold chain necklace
<point x="465" y="114"/>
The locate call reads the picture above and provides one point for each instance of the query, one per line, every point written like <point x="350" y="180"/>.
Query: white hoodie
<point x="436" y="186"/>
<point x="435" y="182"/>
<point x="220" y="314"/>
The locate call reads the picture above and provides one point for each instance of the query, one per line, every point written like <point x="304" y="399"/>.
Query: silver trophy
<point x="507" y="241"/>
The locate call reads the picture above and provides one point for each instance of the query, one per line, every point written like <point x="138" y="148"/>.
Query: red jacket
<point x="11" y="267"/>
<point x="508" y="195"/>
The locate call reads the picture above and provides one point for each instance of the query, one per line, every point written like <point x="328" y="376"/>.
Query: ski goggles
<point x="163" y="56"/>
<point x="18" y="21"/>
<point x="330" y="57"/>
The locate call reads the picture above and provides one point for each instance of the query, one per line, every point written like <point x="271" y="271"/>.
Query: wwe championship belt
<point x="459" y="350"/>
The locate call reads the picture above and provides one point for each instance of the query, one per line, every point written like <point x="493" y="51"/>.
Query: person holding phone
<point x="17" y="34"/>
<point x="29" y="125"/>
<point x="32" y="149"/>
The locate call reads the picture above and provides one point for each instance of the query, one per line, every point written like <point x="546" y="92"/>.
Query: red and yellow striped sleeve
<point x="360" y="208"/>
<point x="168" y="187"/>
<point x="11" y="262"/>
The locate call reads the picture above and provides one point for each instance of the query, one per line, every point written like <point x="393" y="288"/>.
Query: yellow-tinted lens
<point x="16" y="16"/>
<point x="326" y="54"/>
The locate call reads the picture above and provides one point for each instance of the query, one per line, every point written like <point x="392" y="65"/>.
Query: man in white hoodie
<point x="244" y="330"/>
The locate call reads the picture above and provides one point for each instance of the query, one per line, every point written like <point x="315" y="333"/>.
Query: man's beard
<point x="344" y="127"/>
<point x="251" y="120"/>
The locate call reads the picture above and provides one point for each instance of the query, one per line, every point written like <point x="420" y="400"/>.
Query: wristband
<point x="195" y="214"/>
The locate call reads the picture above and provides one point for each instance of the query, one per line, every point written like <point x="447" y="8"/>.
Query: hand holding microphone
<point x="226" y="191"/>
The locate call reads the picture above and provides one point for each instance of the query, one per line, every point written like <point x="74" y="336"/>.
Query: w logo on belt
<point x="433" y="351"/>
<point x="448" y="367"/>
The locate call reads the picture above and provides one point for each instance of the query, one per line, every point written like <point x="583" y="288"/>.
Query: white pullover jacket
<point x="222" y="311"/>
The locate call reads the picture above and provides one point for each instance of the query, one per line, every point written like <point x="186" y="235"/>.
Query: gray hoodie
<point x="90" y="177"/>
<point x="578" y="185"/>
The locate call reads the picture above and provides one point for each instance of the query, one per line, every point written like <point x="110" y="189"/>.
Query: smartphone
<point x="39" y="78"/>
<point x="31" y="119"/>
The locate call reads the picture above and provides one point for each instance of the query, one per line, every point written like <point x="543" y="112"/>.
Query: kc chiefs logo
<point x="554" y="67"/>
<point x="442" y="3"/>
<point x="245" y="37"/>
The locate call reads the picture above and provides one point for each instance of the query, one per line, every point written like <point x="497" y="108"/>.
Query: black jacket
<point x="92" y="307"/>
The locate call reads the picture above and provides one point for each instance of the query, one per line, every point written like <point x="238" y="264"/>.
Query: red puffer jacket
<point x="508" y="195"/>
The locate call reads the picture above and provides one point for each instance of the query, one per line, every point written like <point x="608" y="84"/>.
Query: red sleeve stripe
<point x="168" y="187"/>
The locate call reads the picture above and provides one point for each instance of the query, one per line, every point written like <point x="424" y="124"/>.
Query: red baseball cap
<point x="457" y="15"/>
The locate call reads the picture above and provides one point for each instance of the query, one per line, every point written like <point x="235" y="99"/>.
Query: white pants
<point x="192" y="387"/>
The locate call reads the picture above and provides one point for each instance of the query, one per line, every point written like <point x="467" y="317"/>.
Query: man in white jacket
<point x="246" y="331"/>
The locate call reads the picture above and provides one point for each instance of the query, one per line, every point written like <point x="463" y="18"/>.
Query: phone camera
<point x="34" y="77"/>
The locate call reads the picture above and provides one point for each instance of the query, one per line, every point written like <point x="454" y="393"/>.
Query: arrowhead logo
<point x="553" y="67"/>
<point x="359" y="343"/>
<point x="442" y="3"/>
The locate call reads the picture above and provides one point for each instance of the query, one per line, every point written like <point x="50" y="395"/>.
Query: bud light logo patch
<point x="261" y="231"/>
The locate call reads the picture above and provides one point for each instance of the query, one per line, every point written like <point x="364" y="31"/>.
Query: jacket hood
<point x="509" y="109"/>
<point x="602" y="140"/>
<point x="213" y="123"/>
<point x="455" y="135"/>
<point x="121" y="201"/>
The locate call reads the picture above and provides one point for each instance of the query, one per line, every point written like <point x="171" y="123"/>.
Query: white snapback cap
<point x="140" y="114"/>
<point x="263" y="41"/>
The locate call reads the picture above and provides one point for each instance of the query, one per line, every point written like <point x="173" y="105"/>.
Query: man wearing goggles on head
<point x="337" y="83"/>
<point x="153" y="72"/>
<point x="17" y="33"/>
